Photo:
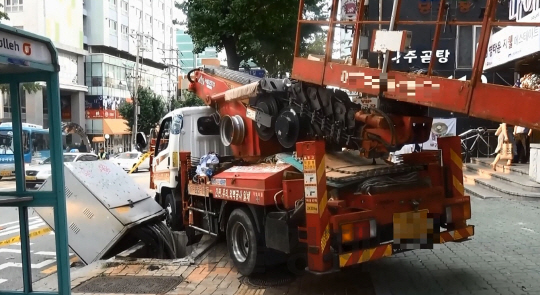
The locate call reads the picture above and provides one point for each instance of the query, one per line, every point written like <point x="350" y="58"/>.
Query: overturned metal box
<point x="103" y="204"/>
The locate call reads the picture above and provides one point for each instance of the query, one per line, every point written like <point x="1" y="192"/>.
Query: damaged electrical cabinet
<point x="104" y="205"/>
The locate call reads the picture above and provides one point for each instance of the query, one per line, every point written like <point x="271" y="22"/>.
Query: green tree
<point x="263" y="31"/>
<point x="152" y="108"/>
<point x="3" y="15"/>
<point x="190" y="100"/>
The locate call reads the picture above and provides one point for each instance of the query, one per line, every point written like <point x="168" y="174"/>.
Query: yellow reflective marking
<point x="35" y="233"/>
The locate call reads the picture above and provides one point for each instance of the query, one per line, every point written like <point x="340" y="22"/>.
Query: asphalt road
<point x="42" y="247"/>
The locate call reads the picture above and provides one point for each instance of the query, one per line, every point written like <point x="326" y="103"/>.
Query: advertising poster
<point x="440" y="128"/>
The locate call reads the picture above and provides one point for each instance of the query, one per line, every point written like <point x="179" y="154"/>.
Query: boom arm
<point x="284" y="112"/>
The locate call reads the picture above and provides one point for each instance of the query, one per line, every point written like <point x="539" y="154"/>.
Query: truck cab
<point x="194" y="129"/>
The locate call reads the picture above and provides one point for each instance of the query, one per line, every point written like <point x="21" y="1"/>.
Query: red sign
<point x="99" y="114"/>
<point x="94" y="114"/>
<point x="109" y="114"/>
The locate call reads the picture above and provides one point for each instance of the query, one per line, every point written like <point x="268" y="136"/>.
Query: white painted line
<point x="51" y="253"/>
<point x="528" y="229"/>
<point x="19" y="243"/>
<point x="16" y="227"/>
<point x="51" y="233"/>
<point x="37" y="265"/>
<point x="31" y="227"/>
<point x="16" y="222"/>
<point x="3" y="281"/>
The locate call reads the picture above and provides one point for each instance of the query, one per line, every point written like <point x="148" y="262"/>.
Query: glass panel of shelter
<point x="25" y="166"/>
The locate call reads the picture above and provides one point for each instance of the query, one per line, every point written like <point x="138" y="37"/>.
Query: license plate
<point x="31" y="178"/>
<point x="415" y="230"/>
<point x="5" y="173"/>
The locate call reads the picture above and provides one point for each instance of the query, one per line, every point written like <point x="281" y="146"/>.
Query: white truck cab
<point x="193" y="129"/>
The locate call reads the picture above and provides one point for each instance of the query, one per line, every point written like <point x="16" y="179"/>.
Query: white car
<point x="37" y="174"/>
<point x="129" y="159"/>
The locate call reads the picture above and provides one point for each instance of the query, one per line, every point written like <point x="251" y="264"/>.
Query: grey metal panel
<point x="108" y="182"/>
<point x="91" y="226"/>
<point x="128" y="215"/>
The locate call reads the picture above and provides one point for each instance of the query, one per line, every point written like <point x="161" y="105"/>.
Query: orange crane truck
<point x="293" y="166"/>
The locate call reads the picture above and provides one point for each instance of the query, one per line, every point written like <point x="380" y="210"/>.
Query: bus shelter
<point x="28" y="58"/>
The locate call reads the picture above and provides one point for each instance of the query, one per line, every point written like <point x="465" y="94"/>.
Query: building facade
<point x="62" y="22"/>
<point x="115" y="33"/>
<point x="188" y="59"/>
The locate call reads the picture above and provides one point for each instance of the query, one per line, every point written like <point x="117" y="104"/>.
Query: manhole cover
<point x="129" y="284"/>
<point x="272" y="278"/>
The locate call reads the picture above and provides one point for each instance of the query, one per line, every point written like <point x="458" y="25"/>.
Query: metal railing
<point x="478" y="143"/>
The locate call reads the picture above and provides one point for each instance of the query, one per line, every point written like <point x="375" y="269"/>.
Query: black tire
<point x="0" y="177"/>
<point x="174" y="215"/>
<point x="136" y="169"/>
<point x="30" y="185"/>
<point x="243" y="243"/>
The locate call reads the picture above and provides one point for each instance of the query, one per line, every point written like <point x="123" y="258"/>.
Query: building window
<point x="138" y="12"/>
<point x="465" y="49"/>
<point x="124" y="30"/>
<point x="148" y="18"/>
<point x="112" y="3"/>
<point x="162" y="5"/>
<point x="125" y="6"/>
<point x="13" y="5"/>
<point x="113" y="25"/>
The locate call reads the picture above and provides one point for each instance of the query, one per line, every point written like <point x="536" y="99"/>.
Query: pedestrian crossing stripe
<point x="35" y="233"/>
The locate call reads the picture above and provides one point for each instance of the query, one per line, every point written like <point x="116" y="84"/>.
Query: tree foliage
<point x="152" y="109"/>
<point x="263" y="31"/>
<point x="190" y="100"/>
<point x="3" y="15"/>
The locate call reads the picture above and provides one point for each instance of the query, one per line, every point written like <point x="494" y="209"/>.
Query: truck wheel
<point x="174" y="216"/>
<point x="136" y="169"/>
<point x="242" y="242"/>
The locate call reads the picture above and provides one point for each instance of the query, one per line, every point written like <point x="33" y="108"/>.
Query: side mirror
<point x="141" y="140"/>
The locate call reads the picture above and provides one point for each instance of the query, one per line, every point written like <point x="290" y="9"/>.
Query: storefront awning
<point x="98" y="139"/>
<point x="115" y="126"/>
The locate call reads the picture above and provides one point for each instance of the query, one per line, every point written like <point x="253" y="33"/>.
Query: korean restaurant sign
<point x="421" y="55"/>
<point x="512" y="43"/>
<point x="518" y="10"/>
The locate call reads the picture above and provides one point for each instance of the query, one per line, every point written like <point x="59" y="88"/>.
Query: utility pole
<point x="171" y="62"/>
<point x="139" y="36"/>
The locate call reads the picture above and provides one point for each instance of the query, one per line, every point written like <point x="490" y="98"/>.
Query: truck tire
<point x="174" y="216"/>
<point x="243" y="242"/>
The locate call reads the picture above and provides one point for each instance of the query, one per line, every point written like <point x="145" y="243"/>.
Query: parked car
<point x="37" y="174"/>
<point x="129" y="159"/>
